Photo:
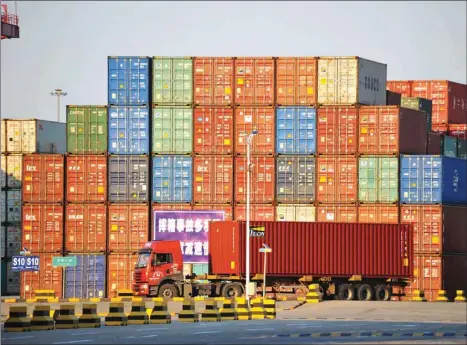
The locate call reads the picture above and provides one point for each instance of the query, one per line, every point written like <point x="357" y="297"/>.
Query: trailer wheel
<point x="365" y="293"/>
<point x="168" y="291"/>
<point x="232" y="290"/>
<point x="346" y="292"/>
<point x="383" y="293"/>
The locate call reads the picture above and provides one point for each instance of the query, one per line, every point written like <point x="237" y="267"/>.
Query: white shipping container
<point x="14" y="171"/>
<point x="35" y="136"/>
<point x="3" y="136"/>
<point x="13" y="281"/>
<point x="296" y="213"/>
<point x="13" y="205"/>
<point x="3" y="172"/>
<point x="2" y="241"/>
<point x="13" y="240"/>
<point x="2" y="206"/>
<point x="351" y="80"/>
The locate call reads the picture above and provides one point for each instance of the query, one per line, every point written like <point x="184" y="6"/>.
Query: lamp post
<point x="59" y="93"/>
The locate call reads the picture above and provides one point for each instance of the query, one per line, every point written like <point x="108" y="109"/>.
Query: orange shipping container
<point x="120" y="270"/>
<point x="171" y="207"/>
<point x="213" y="179"/>
<point x="262" y="180"/>
<point x="43" y="178"/>
<point x="257" y="212"/>
<point x="254" y="81"/>
<point x="128" y="227"/>
<point x="440" y="129"/>
<point x="42" y="228"/>
<point x="86" y="178"/>
<point x="261" y="119"/>
<point x="404" y="87"/>
<point x="85" y="228"/>
<point x="213" y="80"/>
<point x="213" y="130"/>
<point x="337" y="130"/>
<point x="228" y="209"/>
<point x="380" y="213"/>
<point x="337" y="213"/>
<point x="47" y="278"/>
<point x="296" y="80"/>
<point x="337" y="179"/>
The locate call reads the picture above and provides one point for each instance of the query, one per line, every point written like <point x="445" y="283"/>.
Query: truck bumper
<point x="140" y="289"/>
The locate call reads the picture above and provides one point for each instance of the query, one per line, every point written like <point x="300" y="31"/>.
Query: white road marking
<point x="310" y="326"/>
<point x="132" y="337"/>
<point x="86" y="333"/>
<point x="149" y="336"/>
<point x="247" y="338"/>
<point x="259" y="329"/>
<point x="14" y="338"/>
<point x="73" y="341"/>
<point x="295" y="324"/>
<point x="150" y="329"/>
<point x="207" y="332"/>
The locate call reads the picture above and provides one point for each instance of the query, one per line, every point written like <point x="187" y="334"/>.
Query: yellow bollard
<point x="211" y="314"/>
<point x="18" y="320"/>
<point x="460" y="296"/>
<point x="313" y="295"/>
<point x="257" y="310"/>
<point x="270" y="307"/>
<point x="89" y="318"/>
<point x="138" y="315"/>
<point x="442" y="296"/>
<point x="116" y="316"/>
<point x="160" y="313"/>
<point x="188" y="313"/>
<point x="41" y="320"/>
<point x="418" y="296"/>
<point x="66" y="318"/>
<point x="243" y="312"/>
<point x="228" y="311"/>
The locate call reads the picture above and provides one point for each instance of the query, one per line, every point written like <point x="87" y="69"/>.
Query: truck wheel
<point x="232" y="290"/>
<point x="346" y="292"/>
<point x="383" y="293"/>
<point x="365" y="293"/>
<point x="168" y="290"/>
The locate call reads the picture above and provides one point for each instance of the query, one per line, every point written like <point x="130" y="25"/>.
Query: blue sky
<point x="66" y="44"/>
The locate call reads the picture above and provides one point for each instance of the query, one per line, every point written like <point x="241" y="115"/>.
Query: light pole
<point x="59" y="93"/>
<point x="248" y="172"/>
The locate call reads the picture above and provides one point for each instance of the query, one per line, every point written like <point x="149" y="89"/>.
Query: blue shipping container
<point x="433" y="180"/>
<point x="296" y="130"/>
<point x="172" y="179"/>
<point x="129" y="130"/>
<point x="129" y="80"/>
<point x="87" y="279"/>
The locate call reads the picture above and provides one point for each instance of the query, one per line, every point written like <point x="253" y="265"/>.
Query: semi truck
<point x="349" y="261"/>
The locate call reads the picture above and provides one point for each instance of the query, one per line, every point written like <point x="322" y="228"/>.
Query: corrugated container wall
<point x="351" y="80"/>
<point x="128" y="227"/>
<point x="296" y="213"/>
<point x="43" y="178"/>
<point x="129" y="130"/>
<point x="172" y="179"/>
<point x="3" y="206"/>
<point x="450" y="146"/>
<point x="254" y="81"/>
<point x="262" y="179"/>
<point x="86" y="178"/>
<point x="337" y="129"/>
<point x="418" y="103"/>
<point x="299" y="249"/>
<point x="86" y="129"/>
<point x="13" y="206"/>
<point x="337" y="179"/>
<point x="295" y="179"/>
<point x="88" y="278"/>
<point x="403" y="87"/>
<point x="393" y="98"/>
<point x="392" y="130"/>
<point x="378" y="179"/>
<point x="213" y="130"/>
<point x="13" y="240"/>
<point x="296" y="130"/>
<point x="462" y="148"/>
<point x="172" y="130"/>
<point x="120" y="269"/>
<point x="336" y="213"/>
<point x="296" y="80"/>
<point x="435" y="143"/>
<point x="3" y="172"/>
<point x="378" y="213"/>
<point x="3" y="242"/>
<point x="3" y="142"/>
<point x="213" y="179"/>
<point x="213" y="81"/>
<point x="261" y="119"/>
<point x="128" y="179"/>
<point x="459" y="131"/>
<point x="172" y="81"/>
<point x="12" y="280"/>
<point x="227" y="209"/>
<point x="129" y="80"/>
<point x="12" y="167"/>
<point x="257" y="212"/>
<point x="48" y="277"/>
<point x="433" y="180"/>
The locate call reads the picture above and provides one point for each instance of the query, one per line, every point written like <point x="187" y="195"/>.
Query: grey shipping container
<point x="418" y="103"/>
<point x="13" y="240"/>
<point x="295" y="179"/>
<point x="13" y="206"/>
<point x="2" y="242"/>
<point x="128" y="179"/>
<point x="12" y="281"/>
<point x="462" y="148"/>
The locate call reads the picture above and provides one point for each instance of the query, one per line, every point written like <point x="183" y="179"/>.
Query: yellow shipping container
<point x="298" y="213"/>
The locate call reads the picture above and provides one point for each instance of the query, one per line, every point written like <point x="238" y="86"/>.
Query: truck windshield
<point x="143" y="259"/>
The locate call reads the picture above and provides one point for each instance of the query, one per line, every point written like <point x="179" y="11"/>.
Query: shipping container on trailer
<point x="433" y="180"/>
<point x="337" y="130"/>
<point x="213" y="130"/>
<point x="120" y="271"/>
<point x="419" y="103"/>
<point x="263" y="120"/>
<point x="336" y="213"/>
<point x="438" y="229"/>
<point x="172" y="130"/>
<point x="213" y="179"/>
<point x="85" y="228"/>
<point x="86" y="129"/>
<point x="12" y="280"/>
<point x="88" y="278"/>
<point x="393" y="98"/>
<point x="295" y="213"/>
<point x="258" y="212"/>
<point x="12" y="167"/>
<point x="296" y="80"/>
<point x="227" y="209"/>
<point x="386" y="130"/>
<point x="213" y="81"/>
<point x="262" y="179"/>
<point x="449" y="99"/>
<point x="254" y="81"/>
<point x="86" y="178"/>
<point x="337" y="179"/>
<point x="459" y="131"/>
<point x="295" y="179"/>
<point x="128" y="227"/>
<point x="378" y="179"/>
<point x="462" y="148"/>
<point x="351" y="80"/>
<point x="13" y="206"/>
<point x="295" y="130"/>
<point x="378" y="213"/>
<point x="172" y="80"/>
<point x="129" y="80"/>
<point x="172" y="179"/>
<point x="403" y="87"/>
<point x="13" y="240"/>
<point x="129" y="130"/>
<point x="128" y="179"/>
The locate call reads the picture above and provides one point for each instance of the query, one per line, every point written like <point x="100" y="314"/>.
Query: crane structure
<point x="9" y="23"/>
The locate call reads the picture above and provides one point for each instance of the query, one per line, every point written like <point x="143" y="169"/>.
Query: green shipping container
<point x="86" y="129"/>
<point x="418" y="103"/>
<point x="172" y="81"/>
<point x="378" y="180"/>
<point x="462" y="148"/>
<point x="450" y="146"/>
<point x="172" y="130"/>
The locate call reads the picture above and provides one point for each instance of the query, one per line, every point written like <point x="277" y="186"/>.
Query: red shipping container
<point x="213" y="179"/>
<point x="393" y="98"/>
<point x="443" y="129"/>
<point x="337" y="130"/>
<point x="86" y="178"/>
<point x="213" y="130"/>
<point x="459" y="131"/>
<point x="128" y="227"/>
<point x="42" y="228"/>
<point x="379" y="213"/>
<point x="434" y="143"/>
<point x="213" y="80"/>
<point x="296" y="80"/>
<point x="337" y="213"/>
<point x="438" y="229"/>
<point x="261" y="119"/>
<point x="43" y="178"/>
<point x="307" y="248"/>
<point x="392" y="130"/>
<point x="120" y="271"/>
<point x="449" y="99"/>
<point x="228" y="209"/>
<point x="257" y="212"/>
<point x="85" y="228"/>
<point x="404" y="87"/>
<point x="254" y="81"/>
<point x="47" y="278"/>
<point x="262" y="186"/>
<point x="337" y="179"/>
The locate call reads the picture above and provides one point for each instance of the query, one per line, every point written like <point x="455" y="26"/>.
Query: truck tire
<point x="232" y="290"/>
<point x="346" y="292"/>
<point x="365" y="292"/>
<point x="383" y="293"/>
<point x="168" y="290"/>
